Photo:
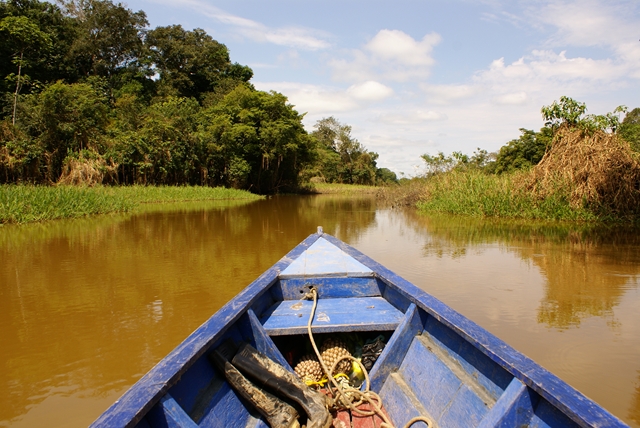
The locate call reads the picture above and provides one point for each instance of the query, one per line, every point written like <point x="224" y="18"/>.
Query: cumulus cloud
<point x="314" y="99"/>
<point x="390" y="54"/>
<point x="370" y="91"/>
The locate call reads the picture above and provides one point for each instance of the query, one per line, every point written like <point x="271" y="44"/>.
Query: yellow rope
<point x="350" y="398"/>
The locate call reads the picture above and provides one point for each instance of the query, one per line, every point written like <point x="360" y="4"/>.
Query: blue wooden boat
<point x="436" y="363"/>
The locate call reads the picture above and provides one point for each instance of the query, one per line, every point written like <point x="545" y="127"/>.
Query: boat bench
<point x="289" y="317"/>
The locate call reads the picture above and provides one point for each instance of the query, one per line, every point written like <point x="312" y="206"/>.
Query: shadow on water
<point x="87" y="306"/>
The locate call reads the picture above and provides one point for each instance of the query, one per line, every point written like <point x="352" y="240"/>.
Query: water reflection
<point x="88" y="306"/>
<point x="587" y="268"/>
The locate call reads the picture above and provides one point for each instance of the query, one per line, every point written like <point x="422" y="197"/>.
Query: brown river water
<point x="88" y="306"/>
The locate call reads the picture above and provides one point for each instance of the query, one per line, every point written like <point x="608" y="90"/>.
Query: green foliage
<point x="342" y="158"/>
<point x="24" y="204"/>
<point x="572" y="113"/>
<point x="441" y="163"/>
<point x="191" y="63"/>
<point x="630" y="129"/>
<point x="524" y="152"/>
<point x="109" y="36"/>
<point x="474" y="193"/>
<point x="386" y="176"/>
<point x="117" y="102"/>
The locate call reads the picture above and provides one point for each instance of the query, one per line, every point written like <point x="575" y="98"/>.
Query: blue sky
<point x="414" y="77"/>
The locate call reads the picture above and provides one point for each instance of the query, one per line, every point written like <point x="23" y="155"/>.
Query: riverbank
<point x="25" y="204"/>
<point x="342" y="189"/>
<point x="476" y="194"/>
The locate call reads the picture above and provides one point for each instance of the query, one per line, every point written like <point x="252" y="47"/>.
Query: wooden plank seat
<point x="332" y="315"/>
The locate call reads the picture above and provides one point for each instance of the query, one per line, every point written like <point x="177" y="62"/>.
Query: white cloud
<point x="291" y="36"/>
<point x="588" y="22"/>
<point x="391" y="55"/>
<point x="313" y="99"/>
<point x="513" y="98"/>
<point x="411" y="117"/>
<point x="370" y="91"/>
<point x="396" y="46"/>
<point x="446" y="94"/>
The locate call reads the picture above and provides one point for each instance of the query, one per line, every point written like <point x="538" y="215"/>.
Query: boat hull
<point x="436" y="363"/>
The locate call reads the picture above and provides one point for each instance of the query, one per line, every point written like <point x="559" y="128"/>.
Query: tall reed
<point x="478" y="194"/>
<point x="26" y="203"/>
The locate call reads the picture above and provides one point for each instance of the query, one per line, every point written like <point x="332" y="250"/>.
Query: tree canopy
<point x="86" y="84"/>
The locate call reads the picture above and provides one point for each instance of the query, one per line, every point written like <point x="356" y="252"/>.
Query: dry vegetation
<point x="597" y="170"/>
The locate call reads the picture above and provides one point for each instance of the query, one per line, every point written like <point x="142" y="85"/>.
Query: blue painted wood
<point x="328" y="288"/>
<point x="513" y="409"/>
<point x="193" y="383"/>
<point x="491" y="376"/>
<point x="355" y="314"/>
<point x="168" y="413"/>
<point x="548" y="416"/>
<point x="323" y="258"/>
<point x="397" y="347"/>
<point x="430" y="379"/>
<point x="548" y="386"/>
<point x="141" y="397"/>
<point x="401" y="405"/>
<point x="263" y="342"/>
<point x="227" y="409"/>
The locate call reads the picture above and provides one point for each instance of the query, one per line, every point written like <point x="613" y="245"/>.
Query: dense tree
<point x="26" y="38"/>
<point x="341" y="157"/>
<point x="159" y="106"/>
<point x="109" y="36"/>
<point x="191" y="63"/>
<point x="630" y="129"/>
<point x="523" y="152"/>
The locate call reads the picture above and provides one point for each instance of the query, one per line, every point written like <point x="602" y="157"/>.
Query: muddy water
<point x="88" y="306"/>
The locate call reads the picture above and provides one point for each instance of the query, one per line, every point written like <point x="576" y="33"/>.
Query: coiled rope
<point x="346" y="397"/>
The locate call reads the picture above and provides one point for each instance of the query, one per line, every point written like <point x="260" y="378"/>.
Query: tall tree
<point x="343" y="158"/>
<point x="191" y="63"/>
<point x="630" y="129"/>
<point x="110" y="36"/>
<point x="27" y="39"/>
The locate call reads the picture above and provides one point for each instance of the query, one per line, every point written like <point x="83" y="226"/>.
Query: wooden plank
<point x="227" y="409"/>
<point x="400" y="404"/>
<point x="513" y="409"/>
<point x="557" y="392"/>
<point x="169" y="414"/>
<point x="396" y="349"/>
<point x="342" y="314"/>
<point x="328" y="288"/>
<point x="342" y="420"/>
<point x="323" y="258"/>
<point x="263" y="342"/>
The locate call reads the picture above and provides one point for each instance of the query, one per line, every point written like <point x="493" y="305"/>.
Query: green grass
<point x="25" y="204"/>
<point x="477" y="194"/>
